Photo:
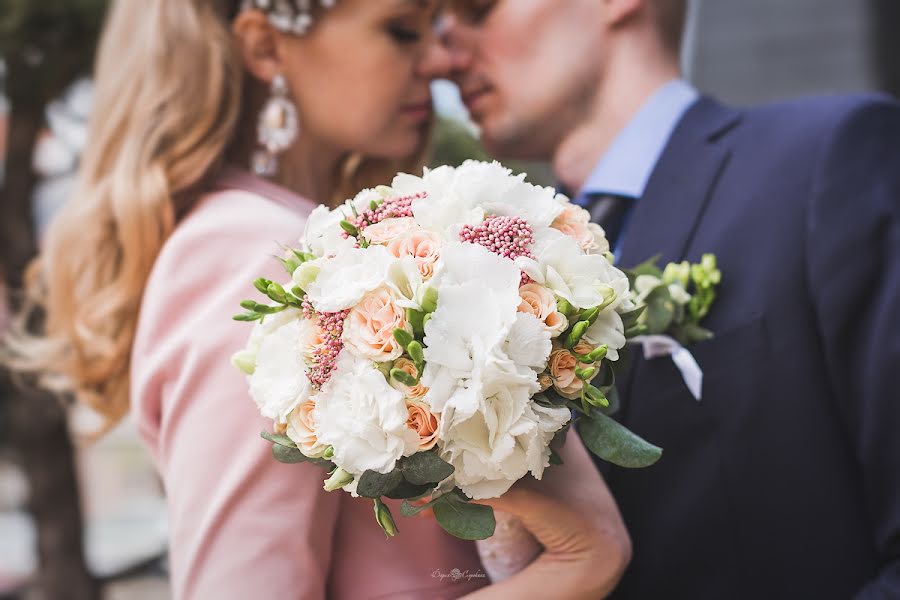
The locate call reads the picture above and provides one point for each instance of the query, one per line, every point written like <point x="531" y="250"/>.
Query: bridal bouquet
<point x="436" y="336"/>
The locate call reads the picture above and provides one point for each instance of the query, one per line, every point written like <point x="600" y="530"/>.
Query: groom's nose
<point x="437" y="63"/>
<point x="458" y="39"/>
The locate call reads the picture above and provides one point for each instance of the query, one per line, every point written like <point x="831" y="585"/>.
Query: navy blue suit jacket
<point x="784" y="482"/>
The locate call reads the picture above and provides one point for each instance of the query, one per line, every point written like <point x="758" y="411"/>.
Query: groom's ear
<point x="258" y="44"/>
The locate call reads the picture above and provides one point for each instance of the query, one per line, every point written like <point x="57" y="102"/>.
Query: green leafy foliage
<point x="413" y="476"/>
<point x="613" y="442"/>
<point x="460" y="518"/>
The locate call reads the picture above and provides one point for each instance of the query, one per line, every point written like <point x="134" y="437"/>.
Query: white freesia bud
<point x="679" y="294"/>
<point x="339" y="478"/>
<point x="306" y="274"/>
<point x="245" y="360"/>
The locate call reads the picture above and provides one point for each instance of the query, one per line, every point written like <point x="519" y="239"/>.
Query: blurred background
<point x="87" y="520"/>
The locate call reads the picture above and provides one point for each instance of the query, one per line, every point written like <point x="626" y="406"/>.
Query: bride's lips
<point x="475" y="98"/>
<point x="420" y="111"/>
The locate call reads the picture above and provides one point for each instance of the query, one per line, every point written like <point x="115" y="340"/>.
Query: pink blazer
<point x="243" y="526"/>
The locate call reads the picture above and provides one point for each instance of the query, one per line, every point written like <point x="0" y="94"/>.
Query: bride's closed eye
<point x="404" y="34"/>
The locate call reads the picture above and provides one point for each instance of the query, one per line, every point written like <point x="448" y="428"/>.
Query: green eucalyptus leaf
<point x="278" y="438"/>
<point x="613" y="442"/>
<point x="406" y="490"/>
<point x="464" y="520"/>
<point x="375" y="485"/>
<point x="288" y="455"/>
<point x="660" y="310"/>
<point x="425" y="467"/>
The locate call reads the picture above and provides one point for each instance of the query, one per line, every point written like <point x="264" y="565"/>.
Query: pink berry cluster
<point x="389" y="209"/>
<point x="325" y="355"/>
<point x="509" y="237"/>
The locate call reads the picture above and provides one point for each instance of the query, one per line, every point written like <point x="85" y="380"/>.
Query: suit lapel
<point x="666" y="217"/>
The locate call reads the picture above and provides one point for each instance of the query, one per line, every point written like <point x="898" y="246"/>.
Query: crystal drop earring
<point x="277" y="129"/>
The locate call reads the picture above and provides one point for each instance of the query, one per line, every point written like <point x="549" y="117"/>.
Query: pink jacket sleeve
<point x="242" y="526"/>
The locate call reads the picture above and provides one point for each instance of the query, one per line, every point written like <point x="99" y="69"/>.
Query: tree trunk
<point x="37" y="427"/>
<point x="41" y="444"/>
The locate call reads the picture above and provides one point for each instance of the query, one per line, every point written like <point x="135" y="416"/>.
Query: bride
<point x="145" y="266"/>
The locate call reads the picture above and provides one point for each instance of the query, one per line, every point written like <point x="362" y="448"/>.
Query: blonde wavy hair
<point x="171" y="103"/>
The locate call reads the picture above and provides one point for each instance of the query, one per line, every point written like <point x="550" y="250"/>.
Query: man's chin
<point x="508" y="144"/>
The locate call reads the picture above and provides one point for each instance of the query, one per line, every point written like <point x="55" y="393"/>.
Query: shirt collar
<point x="626" y="167"/>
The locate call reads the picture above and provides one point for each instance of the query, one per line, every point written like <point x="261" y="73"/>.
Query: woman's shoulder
<point x="202" y="273"/>
<point x="242" y="216"/>
<point x="227" y="240"/>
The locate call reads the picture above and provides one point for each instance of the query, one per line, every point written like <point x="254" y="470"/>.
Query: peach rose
<point x="562" y="370"/>
<point x="369" y="328"/>
<point x="540" y="302"/>
<point x="388" y="230"/>
<point x="422" y="421"/>
<point x="573" y="221"/>
<point x="312" y="337"/>
<point x="301" y="428"/>
<point x="422" y="245"/>
<point x="415" y="392"/>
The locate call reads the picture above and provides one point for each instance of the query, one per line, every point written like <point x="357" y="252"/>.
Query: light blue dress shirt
<point x="626" y="167"/>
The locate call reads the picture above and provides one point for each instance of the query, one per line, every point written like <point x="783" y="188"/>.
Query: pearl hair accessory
<point x="289" y="16"/>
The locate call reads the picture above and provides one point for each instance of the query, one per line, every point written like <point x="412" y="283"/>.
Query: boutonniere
<point x="671" y="303"/>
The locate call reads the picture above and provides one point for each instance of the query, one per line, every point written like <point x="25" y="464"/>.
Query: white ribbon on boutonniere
<point x="657" y="346"/>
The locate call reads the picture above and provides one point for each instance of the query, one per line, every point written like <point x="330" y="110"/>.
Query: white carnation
<point x="363" y="418"/>
<point x="280" y="346"/>
<point x="507" y="436"/>
<point x="324" y="236"/>
<point x="344" y="279"/>
<point x="537" y="205"/>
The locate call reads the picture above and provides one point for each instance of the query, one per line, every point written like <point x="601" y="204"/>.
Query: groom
<point x="784" y="482"/>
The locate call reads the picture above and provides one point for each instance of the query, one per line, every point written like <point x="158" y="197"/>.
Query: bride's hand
<point x="573" y="515"/>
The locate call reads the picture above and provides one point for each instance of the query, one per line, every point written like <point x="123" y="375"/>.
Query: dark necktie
<point x="609" y="212"/>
